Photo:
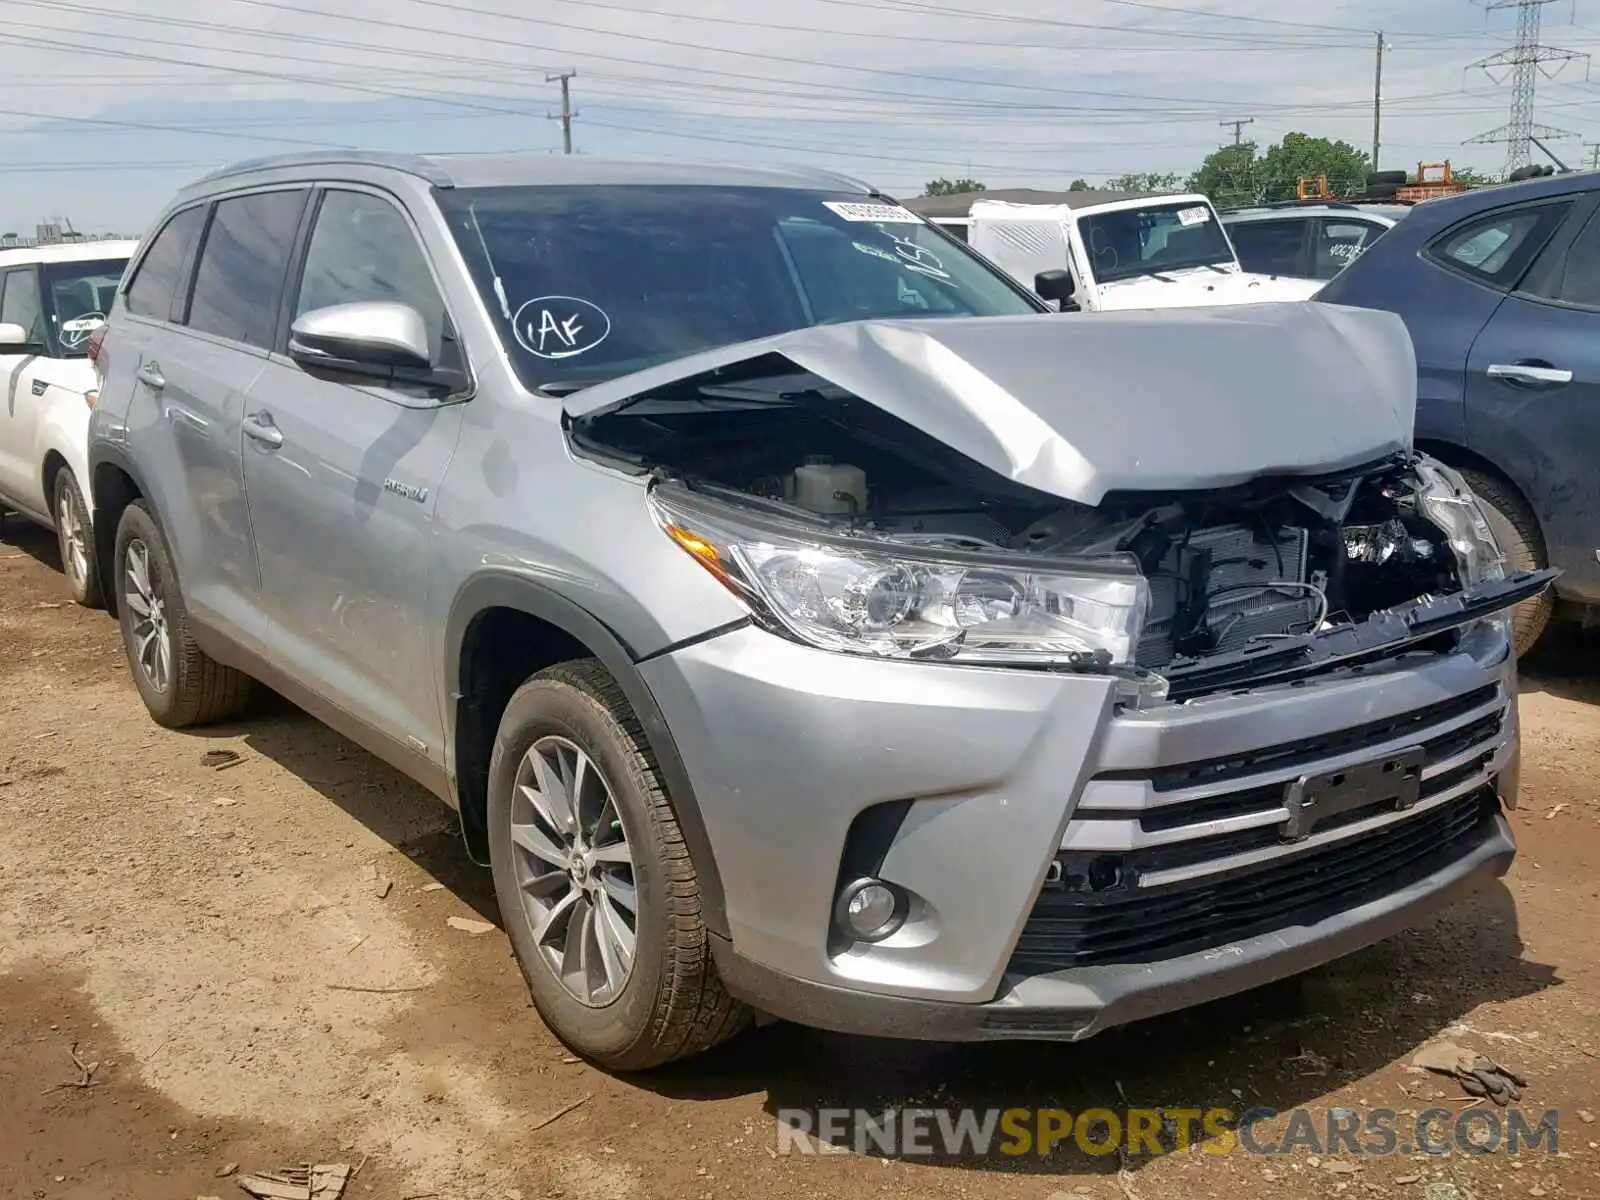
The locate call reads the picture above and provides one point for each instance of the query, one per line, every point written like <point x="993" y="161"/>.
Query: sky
<point x="106" y="108"/>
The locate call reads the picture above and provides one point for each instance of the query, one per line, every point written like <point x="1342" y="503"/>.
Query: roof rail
<point x="411" y="164"/>
<point x="1309" y="203"/>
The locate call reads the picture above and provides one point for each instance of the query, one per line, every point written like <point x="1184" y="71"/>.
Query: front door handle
<point x="259" y="428"/>
<point x="1530" y="373"/>
<point x="150" y="375"/>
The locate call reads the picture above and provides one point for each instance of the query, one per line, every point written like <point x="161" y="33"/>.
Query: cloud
<point x="895" y="91"/>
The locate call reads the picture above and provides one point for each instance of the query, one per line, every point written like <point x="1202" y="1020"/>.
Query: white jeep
<point x="1139" y="252"/>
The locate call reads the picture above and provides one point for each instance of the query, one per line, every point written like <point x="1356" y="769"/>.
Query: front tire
<point x="1522" y="544"/>
<point x="178" y="682"/>
<point x="596" y="889"/>
<point x="75" y="541"/>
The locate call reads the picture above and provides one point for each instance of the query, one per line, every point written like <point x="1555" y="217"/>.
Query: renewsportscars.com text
<point x="1041" y="1132"/>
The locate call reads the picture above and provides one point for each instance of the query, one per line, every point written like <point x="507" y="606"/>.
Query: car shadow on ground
<point x="1278" y="1047"/>
<point x="1565" y="663"/>
<point x="37" y="542"/>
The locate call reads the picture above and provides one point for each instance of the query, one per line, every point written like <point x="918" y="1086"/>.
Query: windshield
<point x="77" y="297"/>
<point x="587" y="283"/>
<point x="1153" y="239"/>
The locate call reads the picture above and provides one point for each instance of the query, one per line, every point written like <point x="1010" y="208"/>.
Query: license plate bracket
<point x="1394" y="780"/>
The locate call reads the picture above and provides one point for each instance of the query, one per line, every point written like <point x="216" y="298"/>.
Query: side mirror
<point x="14" y="339"/>
<point x="376" y="335"/>
<point x="379" y="340"/>
<point x="1054" y="285"/>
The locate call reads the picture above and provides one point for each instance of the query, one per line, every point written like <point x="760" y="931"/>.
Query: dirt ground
<point x="195" y="934"/>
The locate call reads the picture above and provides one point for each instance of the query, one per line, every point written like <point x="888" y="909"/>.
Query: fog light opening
<point x="870" y="910"/>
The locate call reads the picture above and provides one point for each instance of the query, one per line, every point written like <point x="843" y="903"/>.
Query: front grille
<point x="1309" y="750"/>
<point x="1134" y="925"/>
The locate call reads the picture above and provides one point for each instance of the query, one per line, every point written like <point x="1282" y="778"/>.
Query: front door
<point x="342" y="479"/>
<point x="20" y="479"/>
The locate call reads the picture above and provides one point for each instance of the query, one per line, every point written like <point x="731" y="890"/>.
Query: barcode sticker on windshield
<point x="1198" y="215"/>
<point x="873" y="212"/>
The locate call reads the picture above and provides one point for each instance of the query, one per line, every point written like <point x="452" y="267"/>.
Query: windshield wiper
<point x="565" y="387"/>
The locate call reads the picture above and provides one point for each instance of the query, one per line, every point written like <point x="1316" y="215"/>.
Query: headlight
<point x="1448" y="502"/>
<point x="865" y="595"/>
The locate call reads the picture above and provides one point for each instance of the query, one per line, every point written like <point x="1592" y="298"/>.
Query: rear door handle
<point x="259" y="428"/>
<point x="1529" y="373"/>
<point x="150" y="375"/>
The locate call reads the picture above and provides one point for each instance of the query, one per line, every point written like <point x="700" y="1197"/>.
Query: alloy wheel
<point x="74" y="542"/>
<point x="142" y="594"/>
<point x="574" y="870"/>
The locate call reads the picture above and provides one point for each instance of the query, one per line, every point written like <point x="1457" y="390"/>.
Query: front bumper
<point x="990" y="783"/>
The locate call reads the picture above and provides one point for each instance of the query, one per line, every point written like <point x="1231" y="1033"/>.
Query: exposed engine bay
<point x="1275" y="558"/>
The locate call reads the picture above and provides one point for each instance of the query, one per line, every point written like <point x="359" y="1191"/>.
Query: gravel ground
<point x="196" y="933"/>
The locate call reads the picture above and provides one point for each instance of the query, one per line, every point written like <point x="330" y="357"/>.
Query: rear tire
<point x="666" y="1001"/>
<point x="1522" y="544"/>
<point x="75" y="539"/>
<point x="178" y="682"/>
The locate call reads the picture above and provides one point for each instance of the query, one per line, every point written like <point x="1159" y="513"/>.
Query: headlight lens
<point x="1448" y="502"/>
<point x="877" y="597"/>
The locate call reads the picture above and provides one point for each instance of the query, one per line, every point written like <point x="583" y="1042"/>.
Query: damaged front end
<point x="959" y="509"/>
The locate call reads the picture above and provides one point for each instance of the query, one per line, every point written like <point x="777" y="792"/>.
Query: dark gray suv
<point x="801" y="618"/>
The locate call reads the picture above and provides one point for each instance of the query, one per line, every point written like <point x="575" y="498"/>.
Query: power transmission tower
<point x="1238" y="127"/>
<point x="1594" y="155"/>
<point x="566" y="78"/>
<point x="1527" y="60"/>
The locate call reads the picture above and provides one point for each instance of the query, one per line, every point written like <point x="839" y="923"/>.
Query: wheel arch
<point x="114" y="483"/>
<point x="501" y="630"/>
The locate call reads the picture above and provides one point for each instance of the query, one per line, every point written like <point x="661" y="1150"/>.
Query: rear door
<point x="343" y="478"/>
<point x="189" y="387"/>
<point x="1533" y="395"/>
<point x="1275" y="247"/>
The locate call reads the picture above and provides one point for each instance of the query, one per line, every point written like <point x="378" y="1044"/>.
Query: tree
<point x="1079" y="185"/>
<point x="1472" y="177"/>
<point x="952" y="187"/>
<point x="1299" y="155"/>
<point x="1145" y="181"/>
<point x="1229" y="176"/>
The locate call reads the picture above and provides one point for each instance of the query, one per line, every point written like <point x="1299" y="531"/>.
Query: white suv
<point x="52" y="299"/>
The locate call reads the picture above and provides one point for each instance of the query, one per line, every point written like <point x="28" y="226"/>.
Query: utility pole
<point x="1377" y="104"/>
<point x="566" y="78"/>
<point x="1238" y="126"/>
<point x="1528" y="59"/>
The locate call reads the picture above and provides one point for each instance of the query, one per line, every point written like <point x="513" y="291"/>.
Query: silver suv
<point x="802" y="619"/>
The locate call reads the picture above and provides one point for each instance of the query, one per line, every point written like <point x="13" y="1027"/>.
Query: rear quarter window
<point x="1496" y="249"/>
<point x="155" y="281"/>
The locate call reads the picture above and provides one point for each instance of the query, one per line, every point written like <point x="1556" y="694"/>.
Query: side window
<point x="1339" y="242"/>
<point x="1269" y="247"/>
<point x="1496" y="249"/>
<point x="1575" y="279"/>
<point x="363" y="249"/>
<point x="20" y="303"/>
<point x="150" y="294"/>
<point x="242" y="265"/>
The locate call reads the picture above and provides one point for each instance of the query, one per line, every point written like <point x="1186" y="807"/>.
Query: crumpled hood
<point x="1088" y="403"/>
<point x="1196" y="289"/>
